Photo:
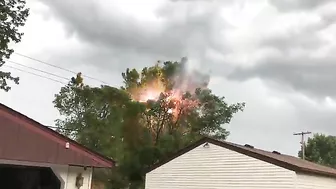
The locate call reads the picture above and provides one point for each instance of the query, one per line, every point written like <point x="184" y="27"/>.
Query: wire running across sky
<point x="59" y="67"/>
<point x="32" y="73"/>
<point x="29" y="67"/>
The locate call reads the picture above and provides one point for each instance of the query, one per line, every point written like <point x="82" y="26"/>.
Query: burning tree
<point x="178" y="101"/>
<point x="158" y="110"/>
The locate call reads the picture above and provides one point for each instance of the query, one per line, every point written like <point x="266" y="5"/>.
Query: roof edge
<point x="177" y="154"/>
<point x="108" y="161"/>
<point x="246" y="152"/>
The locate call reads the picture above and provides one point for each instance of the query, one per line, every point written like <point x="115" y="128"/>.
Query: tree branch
<point x="161" y="124"/>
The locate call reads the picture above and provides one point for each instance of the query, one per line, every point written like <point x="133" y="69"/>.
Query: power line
<point x="37" y="70"/>
<point x="40" y="61"/>
<point x="58" y="67"/>
<point x="51" y="79"/>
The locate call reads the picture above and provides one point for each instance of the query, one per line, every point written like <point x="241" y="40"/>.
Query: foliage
<point x="139" y="133"/>
<point x="13" y="14"/>
<point x="321" y="149"/>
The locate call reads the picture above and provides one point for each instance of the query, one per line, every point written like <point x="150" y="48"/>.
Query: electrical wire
<point x="41" y="76"/>
<point x="58" y="67"/>
<point x="37" y="70"/>
<point x="5" y="65"/>
<point x="40" y="61"/>
<point x="18" y="69"/>
<point x="51" y="79"/>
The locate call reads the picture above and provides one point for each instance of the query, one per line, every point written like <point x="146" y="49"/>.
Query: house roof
<point x="281" y="160"/>
<point x="23" y="139"/>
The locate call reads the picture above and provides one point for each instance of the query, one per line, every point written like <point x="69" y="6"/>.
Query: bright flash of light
<point x="150" y="91"/>
<point x="174" y="101"/>
<point x="149" y="95"/>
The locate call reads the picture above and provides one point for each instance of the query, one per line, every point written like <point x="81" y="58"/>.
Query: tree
<point x="321" y="149"/>
<point x="157" y="111"/>
<point x="13" y="14"/>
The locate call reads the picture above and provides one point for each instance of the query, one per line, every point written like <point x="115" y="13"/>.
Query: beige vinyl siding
<point x="315" y="182"/>
<point x="218" y="168"/>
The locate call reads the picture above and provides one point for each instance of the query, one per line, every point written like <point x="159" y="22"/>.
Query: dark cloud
<point x="313" y="76"/>
<point x="317" y="120"/>
<point x="289" y="41"/>
<point x="297" y="64"/>
<point x="292" y="5"/>
<point x="306" y="38"/>
<point x="303" y="35"/>
<point x="178" y="30"/>
<point x="193" y="29"/>
<point x="108" y="40"/>
<point x="272" y="115"/>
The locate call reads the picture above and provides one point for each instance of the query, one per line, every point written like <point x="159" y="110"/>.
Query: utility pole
<point x="302" y="142"/>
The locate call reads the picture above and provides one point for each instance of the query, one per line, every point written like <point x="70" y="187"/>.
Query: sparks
<point x="149" y="95"/>
<point x="174" y="102"/>
<point x="151" y="91"/>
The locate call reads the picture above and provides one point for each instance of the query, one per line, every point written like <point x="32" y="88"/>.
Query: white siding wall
<point x="219" y="168"/>
<point x="72" y="174"/>
<point x="315" y="182"/>
<point x="67" y="174"/>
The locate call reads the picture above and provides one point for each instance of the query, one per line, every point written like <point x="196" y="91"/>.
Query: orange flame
<point x="150" y="91"/>
<point x="154" y="89"/>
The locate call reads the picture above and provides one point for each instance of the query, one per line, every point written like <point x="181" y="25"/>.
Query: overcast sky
<point x="278" y="56"/>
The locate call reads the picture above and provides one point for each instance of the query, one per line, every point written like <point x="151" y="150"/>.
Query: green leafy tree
<point x="13" y="14"/>
<point x="136" y="131"/>
<point x="321" y="149"/>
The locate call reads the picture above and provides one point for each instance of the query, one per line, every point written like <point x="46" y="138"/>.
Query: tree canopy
<point x="13" y="14"/>
<point x="321" y="149"/>
<point x="157" y="111"/>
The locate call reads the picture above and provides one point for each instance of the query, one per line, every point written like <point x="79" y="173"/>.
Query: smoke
<point x="189" y="78"/>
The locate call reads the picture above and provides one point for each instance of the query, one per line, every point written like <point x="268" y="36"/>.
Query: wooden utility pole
<point x="302" y="142"/>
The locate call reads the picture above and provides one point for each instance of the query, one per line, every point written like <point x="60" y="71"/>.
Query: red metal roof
<point x="24" y="139"/>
